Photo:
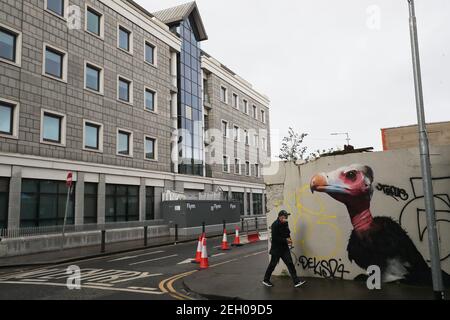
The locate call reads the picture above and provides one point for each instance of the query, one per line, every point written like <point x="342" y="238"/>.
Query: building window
<point x="247" y="168"/>
<point x="256" y="170"/>
<point x="150" y="100"/>
<point x="264" y="144"/>
<point x="6" y="118"/>
<point x="122" y="203"/>
<point x="225" y="129"/>
<point x="125" y="39"/>
<point x="235" y="101"/>
<point x="4" y="201"/>
<point x="237" y="166"/>
<point x="125" y="88"/>
<point x="94" y="78"/>
<point x="224" y="94"/>
<point x="150" y="53"/>
<point x="53" y="127"/>
<point x="93" y="133"/>
<point x="55" y="63"/>
<point x="124" y="143"/>
<point x="247" y="140"/>
<point x="94" y="21"/>
<point x="255" y="113"/>
<point x="226" y="165"/>
<point x="236" y="133"/>
<point x="263" y="116"/>
<point x="245" y="106"/>
<point x="90" y="202"/>
<point x="149" y="203"/>
<point x="150" y="148"/>
<point x="43" y="203"/>
<point x="239" y="197"/>
<point x="257" y="204"/>
<point x="255" y="141"/>
<point x="10" y="45"/>
<point x="56" y="6"/>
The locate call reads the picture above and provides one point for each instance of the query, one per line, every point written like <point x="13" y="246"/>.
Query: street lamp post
<point x="433" y="243"/>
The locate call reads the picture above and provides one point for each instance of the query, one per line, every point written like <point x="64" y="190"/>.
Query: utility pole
<point x="433" y="241"/>
<point x="346" y="133"/>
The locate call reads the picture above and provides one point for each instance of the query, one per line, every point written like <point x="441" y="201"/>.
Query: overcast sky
<point x="332" y="66"/>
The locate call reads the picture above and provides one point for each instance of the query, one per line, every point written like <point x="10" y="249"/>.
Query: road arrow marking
<point x="140" y="262"/>
<point x="132" y="257"/>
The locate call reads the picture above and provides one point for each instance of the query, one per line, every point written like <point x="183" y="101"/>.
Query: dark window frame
<point x="54" y="116"/>
<point x="149" y="44"/>
<point x="149" y="199"/>
<point x="128" y="134"/>
<point x="99" y="70"/>
<point x="154" y="148"/>
<point x="99" y="16"/>
<point x="92" y="125"/>
<point x="115" y="198"/>
<point x="15" y="36"/>
<point x="37" y="221"/>
<point x="90" y="196"/>
<point x="63" y="7"/>
<point x="4" y="221"/>
<point x="147" y="90"/>
<point x="61" y="68"/>
<point x="128" y="82"/>
<point x="11" y="123"/>
<point x="128" y="32"/>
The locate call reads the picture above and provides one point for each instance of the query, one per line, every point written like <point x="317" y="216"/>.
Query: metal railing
<point x="253" y="223"/>
<point x="49" y="230"/>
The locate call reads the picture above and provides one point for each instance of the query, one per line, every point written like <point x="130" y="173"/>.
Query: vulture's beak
<point x="318" y="183"/>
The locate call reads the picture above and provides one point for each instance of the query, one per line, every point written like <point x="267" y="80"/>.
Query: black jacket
<point x="280" y="232"/>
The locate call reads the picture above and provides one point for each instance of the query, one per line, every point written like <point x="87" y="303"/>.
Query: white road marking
<point x="217" y="255"/>
<point x="98" y="284"/>
<point x="186" y="261"/>
<point x="142" y="288"/>
<point x="140" y="262"/>
<point x="83" y="286"/>
<point x="136" y="256"/>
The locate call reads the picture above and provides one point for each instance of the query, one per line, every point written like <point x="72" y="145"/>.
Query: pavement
<point x="241" y="280"/>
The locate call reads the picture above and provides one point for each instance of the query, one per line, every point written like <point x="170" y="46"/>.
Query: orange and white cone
<point x="204" y="261"/>
<point x="198" y="254"/>
<point x="225" y="245"/>
<point x="237" y="239"/>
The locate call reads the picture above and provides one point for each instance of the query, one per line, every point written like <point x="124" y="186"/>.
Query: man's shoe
<point x="299" y="283"/>
<point x="267" y="283"/>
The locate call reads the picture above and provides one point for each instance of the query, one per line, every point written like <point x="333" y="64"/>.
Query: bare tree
<point x="292" y="148"/>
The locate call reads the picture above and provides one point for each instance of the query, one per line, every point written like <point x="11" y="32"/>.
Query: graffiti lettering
<point x="393" y="192"/>
<point x="328" y="269"/>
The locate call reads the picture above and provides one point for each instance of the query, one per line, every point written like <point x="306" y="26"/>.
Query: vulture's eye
<point x="351" y="175"/>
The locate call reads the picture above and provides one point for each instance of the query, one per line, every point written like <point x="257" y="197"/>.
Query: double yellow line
<point x="166" y="286"/>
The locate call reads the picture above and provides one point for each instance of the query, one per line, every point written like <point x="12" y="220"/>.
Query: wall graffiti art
<point x="328" y="269"/>
<point x="413" y="212"/>
<point x="374" y="240"/>
<point x="394" y="192"/>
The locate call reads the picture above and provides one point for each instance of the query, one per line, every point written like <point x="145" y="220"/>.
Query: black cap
<point x="283" y="213"/>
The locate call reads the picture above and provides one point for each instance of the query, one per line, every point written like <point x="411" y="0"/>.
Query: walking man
<point x="281" y="240"/>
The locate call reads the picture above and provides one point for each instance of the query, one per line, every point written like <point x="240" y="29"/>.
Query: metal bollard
<point x="242" y="224"/>
<point x="145" y="236"/>
<point x="224" y="224"/>
<point x="256" y="223"/>
<point x="203" y="227"/>
<point x="103" y="241"/>
<point x="176" y="234"/>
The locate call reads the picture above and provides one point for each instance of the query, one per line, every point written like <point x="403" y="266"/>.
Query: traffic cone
<point x="225" y="245"/>
<point x="237" y="240"/>
<point x="204" y="261"/>
<point x="198" y="254"/>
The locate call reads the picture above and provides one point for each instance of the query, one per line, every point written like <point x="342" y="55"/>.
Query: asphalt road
<point x="151" y="274"/>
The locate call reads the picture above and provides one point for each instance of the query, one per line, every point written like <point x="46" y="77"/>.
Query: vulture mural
<point x="375" y="240"/>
